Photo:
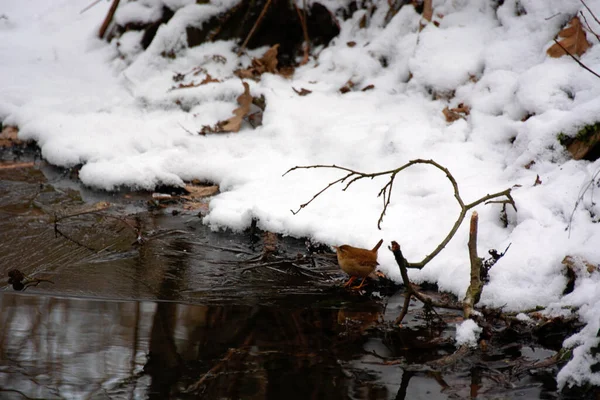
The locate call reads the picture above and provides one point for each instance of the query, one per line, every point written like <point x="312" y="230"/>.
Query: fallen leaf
<point x="196" y="205"/>
<point x="529" y="164"/>
<point x="234" y="123"/>
<point x="8" y="136"/>
<point x="209" y="79"/>
<point x="572" y="262"/>
<point x="186" y="85"/>
<point x="286" y="72"/>
<point x="453" y="114"/>
<point x="538" y="181"/>
<point x="269" y="59"/>
<point x="368" y="87"/>
<point x="267" y="63"/>
<point x="347" y="87"/>
<point x="574" y="40"/>
<point x="302" y="91"/>
<point x="351" y="44"/>
<point x="197" y="192"/>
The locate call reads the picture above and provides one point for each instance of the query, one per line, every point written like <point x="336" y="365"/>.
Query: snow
<point x="467" y="333"/>
<point x="113" y="108"/>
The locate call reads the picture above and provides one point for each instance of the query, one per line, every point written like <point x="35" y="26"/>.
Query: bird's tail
<point x="377" y="246"/>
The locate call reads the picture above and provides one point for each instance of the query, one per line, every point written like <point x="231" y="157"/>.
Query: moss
<point x="564" y="139"/>
<point x="583" y="135"/>
<point x="587" y="132"/>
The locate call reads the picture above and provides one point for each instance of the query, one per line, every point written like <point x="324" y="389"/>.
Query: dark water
<point x="146" y="304"/>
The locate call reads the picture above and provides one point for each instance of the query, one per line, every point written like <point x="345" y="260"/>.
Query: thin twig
<point x="582" y="65"/>
<point x="589" y="28"/>
<point x="582" y="193"/>
<point x="256" y="24"/>
<point x="90" y="6"/>
<point x="108" y="19"/>
<point x="187" y="130"/>
<point x="590" y="11"/>
<point x="302" y="17"/>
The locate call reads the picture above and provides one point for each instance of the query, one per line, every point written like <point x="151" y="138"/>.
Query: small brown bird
<point x="356" y="262"/>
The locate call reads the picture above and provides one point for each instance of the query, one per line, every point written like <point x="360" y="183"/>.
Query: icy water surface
<point x="146" y="304"/>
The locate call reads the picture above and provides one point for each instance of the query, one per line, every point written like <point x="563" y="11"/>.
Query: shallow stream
<point x="140" y="300"/>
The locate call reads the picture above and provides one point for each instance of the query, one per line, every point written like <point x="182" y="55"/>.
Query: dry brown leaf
<point x="452" y="114"/>
<point x="269" y="59"/>
<point x="368" y="87"/>
<point x="267" y="63"/>
<point x="8" y="137"/>
<point x="529" y="164"/>
<point x="186" y="85"/>
<point x="209" y="79"/>
<point x="302" y="91"/>
<point x="195" y="206"/>
<point x="234" y="123"/>
<point x="286" y="72"/>
<point x="347" y="87"/>
<point x="247" y="73"/>
<point x="573" y="262"/>
<point x="574" y="40"/>
<point x="197" y="192"/>
<point x="538" y="181"/>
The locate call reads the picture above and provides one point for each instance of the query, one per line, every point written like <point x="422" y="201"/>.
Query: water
<point x="146" y="304"/>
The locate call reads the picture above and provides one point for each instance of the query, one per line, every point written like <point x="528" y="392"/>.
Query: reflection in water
<point x="54" y="347"/>
<point x="76" y="348"/>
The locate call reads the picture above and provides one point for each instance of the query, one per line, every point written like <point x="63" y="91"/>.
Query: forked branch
<point x="386" y="194"/>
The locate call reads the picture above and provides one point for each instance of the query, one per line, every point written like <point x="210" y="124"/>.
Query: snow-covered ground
<point x="113" y="111"/>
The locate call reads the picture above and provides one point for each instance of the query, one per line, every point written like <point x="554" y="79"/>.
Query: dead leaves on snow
<point x="266" y="64"/>
<point x="573" y="40"/>
<point x="456" y="113"/>
<point x="233" y="124"/>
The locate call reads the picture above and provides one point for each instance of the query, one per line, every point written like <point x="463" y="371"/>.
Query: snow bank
<point x="114" y="110"/>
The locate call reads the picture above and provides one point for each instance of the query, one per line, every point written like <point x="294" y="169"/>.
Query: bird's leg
<point x="361" y="284"/>
<point x="352" y="278"/>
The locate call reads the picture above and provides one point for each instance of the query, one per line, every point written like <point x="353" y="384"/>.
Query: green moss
<point x="564" y="139"/>
<point x="583" y="135"/>
<point x="587" y="132"/>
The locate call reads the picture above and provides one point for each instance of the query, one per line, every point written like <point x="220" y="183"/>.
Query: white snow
<point x="467" y="333"/>
<point x="112" y="108"/>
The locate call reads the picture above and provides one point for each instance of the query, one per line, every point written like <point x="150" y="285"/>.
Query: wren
<point x="357" y="262"/>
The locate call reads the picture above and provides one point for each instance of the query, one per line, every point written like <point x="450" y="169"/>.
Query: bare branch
<point x="582" y="65"/>
<point x="476" y="286"/>
<point x="256" y="24"/>
<point x="590" y="11"/>
<point x="386" y="193"/>
<point x="589" y="28"/>
<point x="322" y="190"/>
